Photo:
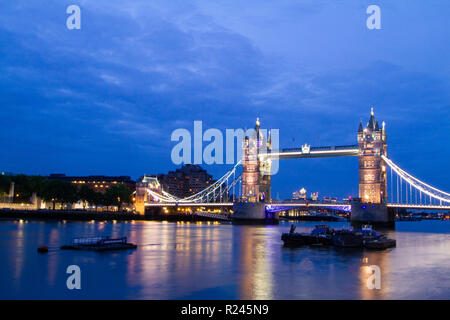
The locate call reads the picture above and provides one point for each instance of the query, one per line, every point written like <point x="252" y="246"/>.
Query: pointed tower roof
<point x="258" y="133"/>
<point x="371" y="123"/>
<point x="360" y="129"/>
<point x="377" y="127"/>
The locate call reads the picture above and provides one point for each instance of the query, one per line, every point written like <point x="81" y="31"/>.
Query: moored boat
<point x="374" y="240"/>
<point x="348" y="239"/>
<point x="99" y="244"/>
<point x="365" y="237"/>
<point x="320" y="235"/>
<point x="368" y="233"/>
<point x="293" y="238"/>
<point x="381" y="243"/>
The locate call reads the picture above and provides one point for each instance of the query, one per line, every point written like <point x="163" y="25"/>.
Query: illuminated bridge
<point x="313" y="152"/>
<point x="383" y="185"/>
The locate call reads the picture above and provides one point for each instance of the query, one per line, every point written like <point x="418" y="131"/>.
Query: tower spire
<point x="371" y="125"/>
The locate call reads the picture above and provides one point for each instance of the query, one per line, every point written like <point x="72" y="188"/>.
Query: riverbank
<point x="84" y="215"/>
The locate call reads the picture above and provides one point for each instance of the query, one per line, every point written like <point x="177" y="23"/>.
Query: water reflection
<point x="219" y="261"/>
<point x="378" y="260"/>
<point x="256" y="265"/>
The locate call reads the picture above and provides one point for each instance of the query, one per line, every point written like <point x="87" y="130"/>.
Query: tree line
<point x="64" y="192"/>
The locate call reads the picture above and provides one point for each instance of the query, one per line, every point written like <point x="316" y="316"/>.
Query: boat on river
<point x="379" y="244"/>
<point x="347" y="239"/>
<point x="99" y="244"/>
<point x="322" y="235"/>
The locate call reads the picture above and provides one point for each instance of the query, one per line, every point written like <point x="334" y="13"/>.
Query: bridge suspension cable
<point x="418" y="190"/>
<point x="215" y="191"/>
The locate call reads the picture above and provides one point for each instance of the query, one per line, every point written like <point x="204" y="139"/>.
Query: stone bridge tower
<point x="141" y="196"/>
<point x="255" y="171"/>
<point x="372" y="169"/>
<point x="372" y="143"/>
<point x="256" y="180"/>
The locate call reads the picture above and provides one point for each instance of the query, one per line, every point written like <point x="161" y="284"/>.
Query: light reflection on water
<point x="213" y="261"/>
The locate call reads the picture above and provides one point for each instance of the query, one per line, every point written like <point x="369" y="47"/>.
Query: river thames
<point x="219" y="261"/>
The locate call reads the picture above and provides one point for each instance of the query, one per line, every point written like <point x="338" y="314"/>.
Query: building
<point x="299" y="194"/>
<point x="372" y="142"/>
<point x="186" y="181"/>
<point x="96" y="183"/>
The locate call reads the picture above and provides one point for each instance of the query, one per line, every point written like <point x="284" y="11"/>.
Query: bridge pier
<point x="376" y="214"/>
<point x="252" y="213"/>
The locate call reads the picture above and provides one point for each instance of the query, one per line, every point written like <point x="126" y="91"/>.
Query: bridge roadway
<point x="342" y="206"/>
<point x="418" y="206"/>
<point x="187" y="204"/>
<point x="313" y="152"/>
<point x="230" y="204"/>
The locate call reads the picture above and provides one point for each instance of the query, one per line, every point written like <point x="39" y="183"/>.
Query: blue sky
<point x="105" y="99"/>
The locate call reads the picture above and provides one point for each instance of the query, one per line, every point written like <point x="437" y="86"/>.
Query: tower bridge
<point x="313" y="152"/>
<point x="249" y="193"/>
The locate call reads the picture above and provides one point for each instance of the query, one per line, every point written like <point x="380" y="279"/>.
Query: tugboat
<point x="368" y="233"/>
<point x="99" y="244"/>
<point x="373" y="240"/>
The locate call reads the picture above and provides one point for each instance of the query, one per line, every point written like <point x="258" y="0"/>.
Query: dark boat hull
<point x="347" y="241"/>
<point x="380" y="244"/>
<point x="322" y="236"/>
<point x="121" y="246"/>
<point x="299" y="239"/>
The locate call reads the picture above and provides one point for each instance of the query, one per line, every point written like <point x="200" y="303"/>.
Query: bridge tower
<point x="372" y="142"/>
<point x="256" y="172"/>
<point x="372" y="169"/>
<point x="256" y="179"/>
<point x="141" y="196"/>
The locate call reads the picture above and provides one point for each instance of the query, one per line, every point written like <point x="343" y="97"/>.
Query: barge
<point x="321" y="235"/>
<point x="344" y="238"/>
<point x="99" y="244"/>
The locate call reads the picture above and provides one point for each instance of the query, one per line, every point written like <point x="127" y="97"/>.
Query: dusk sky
<point x="105" y="99"/>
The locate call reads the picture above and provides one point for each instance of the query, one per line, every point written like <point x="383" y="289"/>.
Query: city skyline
<point x="224" y="158"/>
<point x="84" y="107"/>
